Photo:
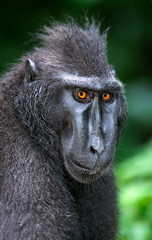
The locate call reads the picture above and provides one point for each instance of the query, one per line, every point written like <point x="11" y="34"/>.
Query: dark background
<point x="130" y="51"/>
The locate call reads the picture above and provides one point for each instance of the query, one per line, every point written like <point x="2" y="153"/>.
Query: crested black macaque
<point x="62" y="111"/>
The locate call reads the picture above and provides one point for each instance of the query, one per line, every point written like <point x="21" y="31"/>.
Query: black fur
<point x="38" y="199"/>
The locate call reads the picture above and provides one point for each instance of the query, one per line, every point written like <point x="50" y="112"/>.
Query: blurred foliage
<point x="130" y="51"/>
<point x="135" y="181"/>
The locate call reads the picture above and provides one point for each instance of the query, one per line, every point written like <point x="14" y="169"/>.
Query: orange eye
<point x="82" y="94"/>
<point x="106" y="96"/>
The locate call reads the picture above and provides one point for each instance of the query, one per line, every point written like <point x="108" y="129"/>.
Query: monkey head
<point x="78" y="99"/>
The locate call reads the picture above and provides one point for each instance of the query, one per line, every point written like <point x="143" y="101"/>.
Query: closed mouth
<point x="80" y="169"/>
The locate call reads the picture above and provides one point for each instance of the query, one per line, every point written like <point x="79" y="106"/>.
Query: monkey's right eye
<point x="82" y="96"/>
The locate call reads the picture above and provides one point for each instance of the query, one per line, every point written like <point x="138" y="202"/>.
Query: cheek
<point x="66" y="135"/>
<point x="110" y="129"/>
<point x="109" y="118"/>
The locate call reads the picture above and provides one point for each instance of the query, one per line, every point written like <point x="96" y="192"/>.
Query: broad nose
<point x="96" y="143"/>
<point x="97" y="146"/>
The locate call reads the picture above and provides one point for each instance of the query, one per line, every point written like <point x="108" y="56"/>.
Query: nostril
<point x="93" y="150"/>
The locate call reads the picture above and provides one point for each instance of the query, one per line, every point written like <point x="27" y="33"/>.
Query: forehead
<point x="94" y="83"/>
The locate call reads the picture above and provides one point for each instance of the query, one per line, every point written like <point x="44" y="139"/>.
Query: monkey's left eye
<point x="82" y="96"/>
<point x="106" y="97"/>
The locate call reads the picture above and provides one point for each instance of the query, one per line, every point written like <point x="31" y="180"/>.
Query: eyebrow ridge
<point x="94" y="82"/>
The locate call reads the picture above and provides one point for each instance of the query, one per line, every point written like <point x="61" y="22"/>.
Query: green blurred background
<point x="130" y="51"/>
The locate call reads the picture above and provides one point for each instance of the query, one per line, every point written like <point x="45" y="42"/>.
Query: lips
<point x="80" y="173"/>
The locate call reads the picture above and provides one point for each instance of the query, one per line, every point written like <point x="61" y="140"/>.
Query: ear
<point x="31" y="70"/>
